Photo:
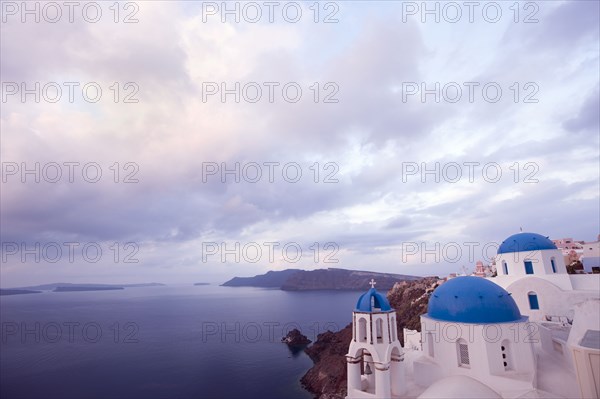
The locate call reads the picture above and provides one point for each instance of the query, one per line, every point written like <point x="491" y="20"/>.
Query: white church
<point x="533" y="331"/>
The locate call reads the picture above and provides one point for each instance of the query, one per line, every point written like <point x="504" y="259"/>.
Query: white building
<point x="531" y="332"/>
<point x="533" y="270"/>
<point x="584" y="343"/>
<point x="571" y="249"/>
<point x="591" y="256"/>
<point x="472" y="329"/>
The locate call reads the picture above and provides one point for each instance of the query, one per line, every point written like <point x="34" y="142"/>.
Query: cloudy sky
<point x="368" y="135"/>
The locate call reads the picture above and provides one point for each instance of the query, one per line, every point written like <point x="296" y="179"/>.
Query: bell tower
<point x="375" y="359"/>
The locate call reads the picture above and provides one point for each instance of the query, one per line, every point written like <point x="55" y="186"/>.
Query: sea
<point x="162" y="342"/>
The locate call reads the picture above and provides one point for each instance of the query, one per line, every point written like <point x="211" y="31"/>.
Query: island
<point x="81" y="286"/>
<point x="320" y="279"/>
<point x="85" y="288"/>
<point x="202" y="284"/>
<point x="72" y="287"/>
<point x="17" y="292"/>
<point x="143" y="285"/>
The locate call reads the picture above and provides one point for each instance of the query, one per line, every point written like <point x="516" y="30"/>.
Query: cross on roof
<point x="372" y="282"/>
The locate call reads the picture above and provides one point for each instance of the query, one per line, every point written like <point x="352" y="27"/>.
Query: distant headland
<point x="321" y="279"/>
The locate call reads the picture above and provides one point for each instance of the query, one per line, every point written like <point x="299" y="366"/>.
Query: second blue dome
<point x="471" y="299"/>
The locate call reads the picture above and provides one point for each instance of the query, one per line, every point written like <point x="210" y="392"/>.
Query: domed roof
<point x="459" y="386"/>
<point x="379" y="302"/>
<point x="525" y="242"/>
<point x="471" y="299"/>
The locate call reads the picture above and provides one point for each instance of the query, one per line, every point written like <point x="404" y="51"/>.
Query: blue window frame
<point x="553" y="265"/>
<point x="505" y="267"/>
<point x="533" y="301"/>
<point x="528" y="267"/>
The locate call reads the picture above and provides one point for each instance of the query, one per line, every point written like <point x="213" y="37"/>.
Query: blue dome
<point x="472" y="300"/>
<point x="525" y="242"/>
<point x="379" y="301"/>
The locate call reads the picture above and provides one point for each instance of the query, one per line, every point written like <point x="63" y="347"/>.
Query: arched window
<point x="362" y="330"/>
<point x="379" y="330"/>
<point x="394" y="328"/>
<point x="533" y="301"/>
<point x="367" y="369"/>
<point x="505" y="267"/>
<point x="553" y="265"/>
<point x="462" y="350"/>
<point x="506" y="355"/>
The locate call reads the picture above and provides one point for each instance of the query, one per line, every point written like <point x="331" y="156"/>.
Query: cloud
<point x="363" y="142"/>
<point x="587" y="119"/>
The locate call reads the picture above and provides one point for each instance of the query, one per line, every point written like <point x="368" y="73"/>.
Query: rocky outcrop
<point x="410" y="300"/>
<point x="295" y="338"/>
<point x="327" y="378"/>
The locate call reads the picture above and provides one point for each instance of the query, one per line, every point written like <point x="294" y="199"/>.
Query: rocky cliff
<point x="327" y="378"/>
<point x="410" y="300"/>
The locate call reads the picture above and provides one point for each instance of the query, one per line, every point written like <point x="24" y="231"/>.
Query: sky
<point x="179" y="142"/>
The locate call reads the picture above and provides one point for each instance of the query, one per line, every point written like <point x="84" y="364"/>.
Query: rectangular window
<point x="528" y="267"/>
<point x="557" y="347"/>
<point x="533" y="302"/>
<point x="463" y="355"/>
<point x="553" y="265"/>
<point x="430" y="344"/>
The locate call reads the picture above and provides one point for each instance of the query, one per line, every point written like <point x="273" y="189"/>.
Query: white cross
<point x="372" y="282"/>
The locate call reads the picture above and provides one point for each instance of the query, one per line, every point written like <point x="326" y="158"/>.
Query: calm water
<point x="159" y="342"/>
